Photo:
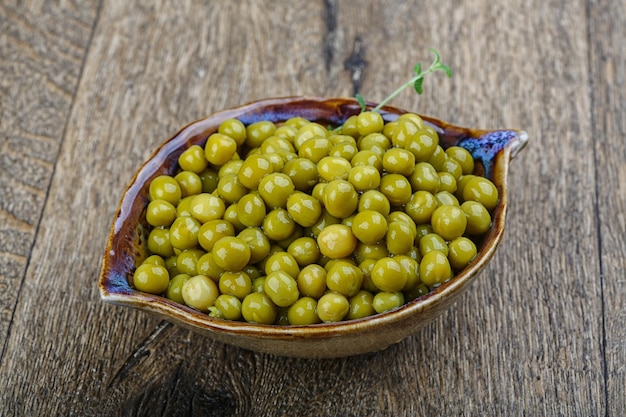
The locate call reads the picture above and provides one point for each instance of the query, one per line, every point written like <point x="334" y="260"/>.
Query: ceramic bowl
<point x="125" y="247"/>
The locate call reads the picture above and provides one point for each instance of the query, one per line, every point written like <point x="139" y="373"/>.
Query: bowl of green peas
<point x="310" y="227"/>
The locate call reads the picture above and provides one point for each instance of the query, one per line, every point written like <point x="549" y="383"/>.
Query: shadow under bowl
<point x="126" y="244"/>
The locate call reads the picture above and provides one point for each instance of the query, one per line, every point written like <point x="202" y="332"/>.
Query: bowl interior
<point x="126" y="247"/>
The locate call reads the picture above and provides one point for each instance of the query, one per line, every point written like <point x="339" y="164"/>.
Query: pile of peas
<point x="298" y="224"/>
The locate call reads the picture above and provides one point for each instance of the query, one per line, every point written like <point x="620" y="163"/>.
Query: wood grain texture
<point x="540" y="333"/>
<point x="42" y="47"/>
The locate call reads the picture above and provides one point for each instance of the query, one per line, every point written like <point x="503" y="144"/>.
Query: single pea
<point x="303" y="312"/>
<point x="258" y="243"/>
<point x="345" y="278"/>
<point x="461" y="251"/>
<point x="361" y="305"/>
<point x="257" y="307"/>
<point x="277" y="163"/>
<point x="309" y="131"/>
<point x="349" y="127"/>
<point x="447" y="182"/>
<point x="183" y="209"/>
<point x="230" y="215"/>
<point x="231" y="253"/>
<point x="230" y="189"/>
<point x="435" y="268"/>
<point x="400" y="238"/>
<point x="304" y="250"/>
<point x="175" y="286"/>
<point x="282" y="288"/>
<point x="160" y="213"/>
<point x="154" y="260"/>
<point x="401" y="216"/>
<point x="231" y="167"/>
<point x="375" y="141"/>
<point x="184" y="233"/>
<point x="463" y="157"/>
<point x="374" y="200"/>
<point x="189" y="182"/>
<point x="421" y="206"/>
<point x="367" y="158"/>
<point x="219" y="149"/>
<point x="336" y="241"/>
<point x="369" y="226"/>
<point x="364" y="177"/>
<point x="386" y="301"/>
<point x="251" y="210"/>
<point x="437" y="158"/>
<point x="205" y="207"/>
<point x="425" y="178"/>
<point x="234" y="129"/>
<point x="482" y="190"/>
<point x="404" y="131"/>
<point x="374" y="251"/>
<point x="287" y="131"/>
<point x="170" y="265"/>
<point x="432" y="242"/>
<point x="478" y="218"/>
<point x="332" y="307"/>
<point x="278" y="225"/>
<point x="209" y="178"/>
<point x="206" y="266"/>
<point x="304" y="209"/>
<point x="418" y="291"/>
<point x="152" y="279"/>
<point x="369" y="122"/>
<point x="366" y="267"/>
<point x="275" y="144"/>
<point x="187" y="260"/>
<point x="257" y="284"/>
<point x="415" y="118"/>
<point x="399" y="161"/>
<point x="315" y="149"/>
<point x="388" y="275"/>
<point x="229" y="307"/>
<point x="297" y="122"/>
<point x="340" y="198"/>
<point x="452" y="166"/>
<point x="193" y="159"/>
<point x="333" y="168"/>
<point x="259" y="131"/>
<point x="422" y="230"/>
<point x="423" y="143"/>
<point x="389" y="128"/>
<point x="253" y="169"/>
<point x="344" y="149"/>
<point x="282" y="261"/>
<point x="396" y="188"/>
<point x="411" y="268"/>
<point x="165" y="188"/>
<point x="275" y="189"/>
<point x="238" y="284"/>
<point x="200" y="292"/>
<point x="212" y="231"/>
<point x="449" y="222"/>
<point x="302" y="172"/>
<point x="312" y="281"/>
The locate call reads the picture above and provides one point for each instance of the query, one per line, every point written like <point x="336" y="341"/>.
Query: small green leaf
<point x="418" y="85"/>
<point x="418" y="69"/>
<point x="446" y="69"/>
<point x="361" y="101"/>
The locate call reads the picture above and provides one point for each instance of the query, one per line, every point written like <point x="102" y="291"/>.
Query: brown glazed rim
<point x="124" y="245"/>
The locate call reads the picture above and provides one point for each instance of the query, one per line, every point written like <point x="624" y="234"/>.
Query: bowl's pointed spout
<point x="487" y="145"/>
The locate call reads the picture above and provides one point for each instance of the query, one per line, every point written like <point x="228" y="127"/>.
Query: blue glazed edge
<point x="485" y="147"/>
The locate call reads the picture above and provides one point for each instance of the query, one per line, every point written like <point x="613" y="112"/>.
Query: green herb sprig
<point x="416" y="82"/>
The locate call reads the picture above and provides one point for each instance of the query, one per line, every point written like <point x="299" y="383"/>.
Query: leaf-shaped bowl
<point x="126" y="248"/>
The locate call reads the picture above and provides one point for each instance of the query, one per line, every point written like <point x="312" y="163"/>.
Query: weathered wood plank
<point x="608" y="64"/>
<point x="42" y="46"/>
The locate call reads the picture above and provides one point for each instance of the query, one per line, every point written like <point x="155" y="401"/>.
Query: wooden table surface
<point x="89" y="88"/>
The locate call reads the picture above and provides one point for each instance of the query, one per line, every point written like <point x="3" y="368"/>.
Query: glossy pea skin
<point x="219" y="149"/>
<point x="160" y="213"/>
<point x="229" y="307"/>
<point x="435" y="268"/>
<point x="206" y="266"/>
<point x="205" y="207"/>
<point x="251" y="210"/>
<point x="230" y="189"/>
<point x="237" y="284"/>
<point x="340" y="198"/>
<point x="386" y="301"/>
<point x="212" y="231"/>
<point x="184" y="233"/>
<point x="344" y="278"/>
<point x="374" y="251"/>
<point x="304" y="250"/>
<point x="302" y="172"/>
<point x="315" y="149"/>
<point x="369" y="122"/>
<point x="234" y="129"/>
<point x="361" y="305"/>
<point x="304" y="209"/>
<point x="165" y="188"/>
<point x="374" y="200"/>
<point x="400" y="238"/>
<point x="399" y="161"/>
<point x="282" y="288"/>
<point x="431" y="242"/>
<point x="337" y="241"/>
<point x="278" y="224"/>
<point x="404" y="130"/>
<point x="175" y="286"/>
<point x="423" y="143"/>
<point x="159" y="242"/>
<point x="231" y="253"/>
<point x="312" y="281"/>
<point x="258" y="243"/>
<point x="259" y="131"/>
<point x="461" y="251"/>
<point x="396" y="188"/>
<point x="253" y="169"/>
<point x="389" y="275"/>
<point x="258" y="308"/>
<point x="463" y="157"/>
<point x="152" y="279"/>
<point x="303" y="312"/>
<point x="449" y="222"/>
<point x="193" y="159"/>
<point x="478" y="218"/>
<point x="369" y="226"/>
<point x="367" y="158"/>
<point x="200" y="292"/>
<point x="275" y="189"/>
<point x="282" y="261"/>
<point x="421" y="206"/>
<point x="332" y="168"/>
<point x="154" y="260"/>
<point x="425" y="178"/>
<point x="190" y="183"/>
<point x="482" y="190"/>
<point x="308" y="131"/>
<point x="187" y="260"/>
<point x="364" y="177"/>
<point x="332" y="307"/>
